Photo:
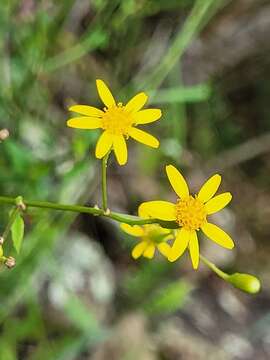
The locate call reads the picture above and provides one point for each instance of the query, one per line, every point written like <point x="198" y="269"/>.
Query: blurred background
<point x="76" y="293"/>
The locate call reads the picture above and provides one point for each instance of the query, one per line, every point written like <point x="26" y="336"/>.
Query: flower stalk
<point x="246" y="282"/>
<point x="104" y="181"/>
<point x="214" y="268"/>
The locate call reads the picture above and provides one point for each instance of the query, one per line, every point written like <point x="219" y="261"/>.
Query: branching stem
<point x="128" y="219"/>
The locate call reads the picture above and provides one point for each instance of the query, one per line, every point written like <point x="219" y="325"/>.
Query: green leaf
<point x="17" y="231"/>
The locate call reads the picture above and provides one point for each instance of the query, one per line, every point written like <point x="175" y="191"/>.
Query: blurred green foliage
<point x="51" y="54"/>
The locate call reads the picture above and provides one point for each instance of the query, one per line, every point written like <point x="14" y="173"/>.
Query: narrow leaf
<point x="17" y="231"/>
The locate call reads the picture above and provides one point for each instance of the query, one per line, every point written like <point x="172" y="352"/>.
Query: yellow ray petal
<point x="168" y="237"/>
<point x="134" y="230"/>
<point x="139" y="249"/>
<point x="137" y="102"/>
<point x="84" y="123"/>
<point x="147" y="116"/>
<point x="209" y="188"/>
<point x="194" y="250"/>
<point x="164" y="249"/>
<point x="86" y="110"/>
<point x="217" y="203"/>
<point x="145" y="213"/>
<point x="142" y="213"/>
<point x="217" y="235"/>
<point x="120" y="149"/>
<point x="104" y="144"/>
<point x="177" y="181"/>
<point x="105" y="93"/>
<point x="149" y="251"/>
<point x="180" y="244"/>
<point x="162" y="210"/>
<point x="143" y="137"/>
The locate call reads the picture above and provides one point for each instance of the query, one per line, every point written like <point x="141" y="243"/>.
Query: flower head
<point x="151" y="236"/>
<point x="190" y="213"/>
<point x="117" y="121"/>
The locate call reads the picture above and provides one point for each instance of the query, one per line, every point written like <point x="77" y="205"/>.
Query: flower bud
<point x="10" y="262"/>
<point x="1" y="251"/>
<point x="4" y="134"/>
<point x="20" y="203"/>
<point x="1" y="240"/>
<point x="245" y="282"/>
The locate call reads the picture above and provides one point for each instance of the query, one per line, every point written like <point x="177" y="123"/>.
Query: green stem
<point x="12" y="218"/>
<point x="128" y="219"/>
<point x="104" y="182"/>
<point x="214" y="268"/>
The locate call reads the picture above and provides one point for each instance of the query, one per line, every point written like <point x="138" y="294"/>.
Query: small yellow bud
<point x="4" y="134"/>
<point x="1" y="240"/>
<point x="10" y="262"/>
<point x="245" y="282"/>
<point x="1" y="251"/>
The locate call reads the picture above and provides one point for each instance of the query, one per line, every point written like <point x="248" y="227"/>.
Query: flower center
<point x="190" y="213"/>
<point x="116" y="120"/>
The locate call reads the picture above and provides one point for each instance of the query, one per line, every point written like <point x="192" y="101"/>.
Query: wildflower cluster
<point x="169" y="228"/>
<point x="189" y="212"/>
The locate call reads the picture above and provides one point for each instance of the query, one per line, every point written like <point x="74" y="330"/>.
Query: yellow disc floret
<point x="190" y="213"/>
<point x="117" y="120"/>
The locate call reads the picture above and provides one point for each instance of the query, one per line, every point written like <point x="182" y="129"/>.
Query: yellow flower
<point x="118" y="122"/>
<point x="152" y="236"/>
<point x="190" y="212"/>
